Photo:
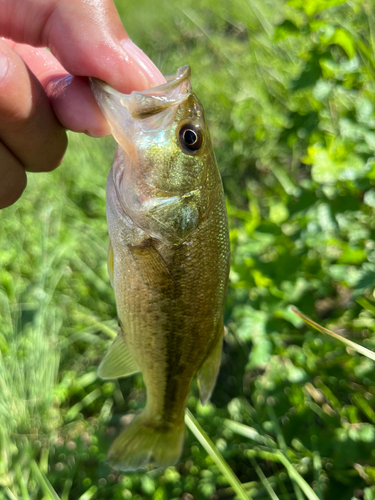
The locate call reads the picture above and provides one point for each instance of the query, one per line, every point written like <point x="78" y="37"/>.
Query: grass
<point x="211" y="449"/>
<point x="349" y="343"/>
<point x="288" y="91"/>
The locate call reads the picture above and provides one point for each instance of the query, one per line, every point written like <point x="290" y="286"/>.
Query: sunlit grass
<point x="292" y="414"/>
<point x="38" y="294"/>
<point x="276" y="452"/>
<point x="216" y="456"/>
<point x="349" y="343"/>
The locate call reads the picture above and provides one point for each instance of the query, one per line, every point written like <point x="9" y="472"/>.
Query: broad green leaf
<point x="328" y="168"/>
<point x="344" y="39"/>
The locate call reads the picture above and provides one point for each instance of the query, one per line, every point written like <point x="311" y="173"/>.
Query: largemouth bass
<point x="168" y="260"/>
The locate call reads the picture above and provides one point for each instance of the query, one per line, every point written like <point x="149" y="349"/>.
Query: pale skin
<point x="43" y="93"/>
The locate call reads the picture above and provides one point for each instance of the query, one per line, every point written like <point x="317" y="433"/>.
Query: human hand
<point x="40" y="97"/>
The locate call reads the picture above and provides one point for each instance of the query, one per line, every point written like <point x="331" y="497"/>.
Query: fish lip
<point x="144" y="103"/>
<point x="172" y="82"/>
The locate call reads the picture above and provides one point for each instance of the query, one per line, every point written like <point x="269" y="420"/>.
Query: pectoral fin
<point x="118" y="362"/>
<point x="152" y="267"/>
<point x="110" y="262"/>
<point x="208" y="372"/>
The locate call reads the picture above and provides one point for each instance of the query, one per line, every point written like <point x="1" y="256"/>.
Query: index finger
<point x="86" y="37"/>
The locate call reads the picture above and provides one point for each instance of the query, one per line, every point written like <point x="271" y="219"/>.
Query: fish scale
<point x="168" y="260"/>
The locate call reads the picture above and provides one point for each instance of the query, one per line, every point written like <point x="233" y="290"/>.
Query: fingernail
<point x="148" y="68"/>
<point x="97" y="135"/>
<point x="4" y="65"/>
<point x="56" y="88"/>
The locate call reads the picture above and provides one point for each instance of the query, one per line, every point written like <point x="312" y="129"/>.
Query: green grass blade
<point x="43" y="482"/>
<point x="317" y="463"/>
<point x="363" y="405"/>
<point x="21" y="481"/>
<point x="110" y="332"/>
<point x="88" y="494"/>
<point x="10" y="494"/>
<point x="296" y="476"/>
<point x="67" y="487"/>
<point x="87" y="400"/>
<point x="211" y="449"/>
<point x="264" y="480"/>
<point x="43" y="462"/>
<point x="349" y="343"/>
<point x="284" y="448"/>
<point x="276" y="455"/>
<point x="250" y="433"/>
<point x="293" y="474"/>
<point x="366" y="305"/>
<point x="279" y="434"/>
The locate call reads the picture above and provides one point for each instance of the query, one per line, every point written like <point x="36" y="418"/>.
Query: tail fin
<point x="147" y="441"/>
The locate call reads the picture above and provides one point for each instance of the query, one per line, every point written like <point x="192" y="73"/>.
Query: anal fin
<point x="208" y="372"/>
<point x="118" y="362"/>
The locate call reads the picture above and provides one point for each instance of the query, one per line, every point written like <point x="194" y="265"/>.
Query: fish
<point x="168" y="261"/>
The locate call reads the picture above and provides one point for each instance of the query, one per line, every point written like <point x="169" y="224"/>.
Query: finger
<point x="75" y="106"/>
<point x="28" y="126"/>
<point x="40" y="60"/>
<point x="71" y="97"/>
<point x="12" y="178"/>
<point x="86" y="37"/>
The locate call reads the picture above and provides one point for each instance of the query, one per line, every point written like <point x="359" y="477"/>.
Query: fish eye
<point x="191" y="138"/>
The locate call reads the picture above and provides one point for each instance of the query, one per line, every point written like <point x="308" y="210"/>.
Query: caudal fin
<point x="146" y="441"/>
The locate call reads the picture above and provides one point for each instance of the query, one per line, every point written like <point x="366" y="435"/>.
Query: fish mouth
<point x="182" y="76"/>
<point x="141" y="104"/>
<point x="125" y="111"/>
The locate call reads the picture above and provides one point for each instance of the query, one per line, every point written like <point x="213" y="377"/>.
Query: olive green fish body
<point x="168" y="261"/>
<point x="171" y="307"/>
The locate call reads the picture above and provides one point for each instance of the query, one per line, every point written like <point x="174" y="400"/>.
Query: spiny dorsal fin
<point x="118" y="362"/>
<point x="207" y="373"/>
